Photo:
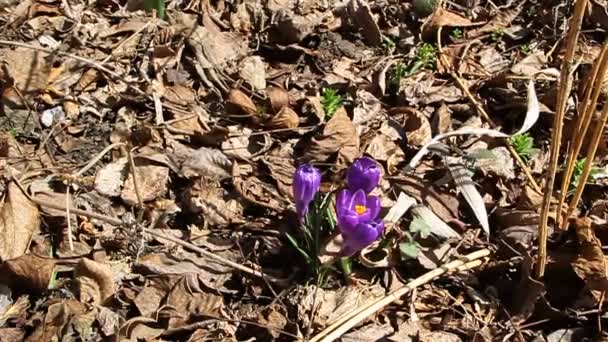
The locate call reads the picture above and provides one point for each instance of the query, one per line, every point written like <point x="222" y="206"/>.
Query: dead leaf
<point x="360" y="12"/>
<point x="438" y="227"/>
<point x="152" y="182"/>
<point x="110" y="178"/>
<point x="443" y="17"/>
<point x="467" y="189"/>
<point x="442" y="203"/>
<point x="95" y="281"/>
<point x="369" y="333"/>
<point x="530" y="65"/>
<point x="285" y="118"/>
<point x="502" y="20"/>
<point x="243" y="145"/>
<point x="252" y="70"/>
<point x="27" y="273"/>
<point x="19" y="220"/>
<point x="338" y="136"/>
<point x="11" y="334"/>
<point x="417" y="128"/>
<point x="212" y="204"/>
<point x="187" y="299"/>
<point x="442" y="120"/>
<point x="591" y="264"/>
<point x="242" y="103"/>
<point x="58" y="321"/>
<point x="208" y="163"/>
<point x="278" y="98"/>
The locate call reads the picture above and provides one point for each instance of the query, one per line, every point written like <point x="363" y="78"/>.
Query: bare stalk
<point x="565" y="86"/>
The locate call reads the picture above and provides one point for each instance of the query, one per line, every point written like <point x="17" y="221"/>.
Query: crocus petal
<point x="362" y="236"/>
<point x="348" y="222"/>
<point x="358" y="198"/>
<point x="373" y="207"/>
<point x="364" y="174"/>
<point x="306" y="183"/>
<point x="343" y="201"/>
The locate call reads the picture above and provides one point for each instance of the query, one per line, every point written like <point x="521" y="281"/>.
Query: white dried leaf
<point x="466" y="186"/>
<point x="531" y="117"/>
<point x="109" y="179"/>
<point x="438" y="227"/>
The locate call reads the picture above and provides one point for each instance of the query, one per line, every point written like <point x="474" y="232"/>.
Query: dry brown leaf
<point x="530" y="65"/>
<point x="59" y="321"/>
<point x="152" y="182"/>
<point x="187" y="300"/>
<point x="243" y="145"/>
<point x="443" y="17"/>
<point x="28" y="273"/>
<point x="212" y="204"/>
<point x="95" y="281"/>
<point x="242" y="103"/>
<point x="442" y="120"/>
<point x="11" y="334"/>
<point x="417" y="127"/>
<point x="206" y="162"/>
<point x="443" y="204"/>
<point x="590" y="264"/>
<point x="360" y="12"/>
<point x="28" y="69"/>
<point x="285" y="118"/>
<point x="339" y="136"/>
<point x="278" y="98"/>
<point x="502" y="20"/>
<point x="19" y="220"/>
<point x="255" y="190"/>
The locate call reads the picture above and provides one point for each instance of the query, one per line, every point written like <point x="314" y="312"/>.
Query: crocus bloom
<point x="358" y="221"/>
<point x="364" y="174"/>
<point x="306" y="183"/>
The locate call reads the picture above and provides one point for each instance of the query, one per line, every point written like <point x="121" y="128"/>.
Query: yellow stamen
<point x="360" y="209"/>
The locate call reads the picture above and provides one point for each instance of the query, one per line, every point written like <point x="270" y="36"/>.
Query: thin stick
<point x="595" y="142"/>
<point x="558" y="122"/>
<point x="67" y="214"/>
<point x="586" y="110"/>
<point x="97" y="158"/>
<point x="353" y="318"/>
<point x="483" y="113"/>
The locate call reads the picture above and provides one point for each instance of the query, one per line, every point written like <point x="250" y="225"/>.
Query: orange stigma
<point x="360" y="209"/>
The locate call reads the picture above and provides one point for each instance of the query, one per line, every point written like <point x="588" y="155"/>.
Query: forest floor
<point x="147" y="160"/>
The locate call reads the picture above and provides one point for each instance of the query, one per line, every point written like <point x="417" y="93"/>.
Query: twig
<point x="67" y="214"/>
<point x="558" y="123"/>
<point x="586" y="110"/>
<point x="482" y="112"/>
<point x="353" y="318"/>
<point x="97" y="158"/>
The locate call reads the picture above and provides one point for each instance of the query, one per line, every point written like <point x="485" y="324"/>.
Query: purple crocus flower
<point x="364" y="174"/>
<point x="358" y="221"/>
<point x="306" y="184"/>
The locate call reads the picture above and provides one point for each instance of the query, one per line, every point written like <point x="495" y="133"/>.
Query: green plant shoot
<point x="331" y="101"/>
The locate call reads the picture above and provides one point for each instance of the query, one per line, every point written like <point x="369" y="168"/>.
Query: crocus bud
<point x="306" y="184"/>
<point x="364" y="174"/>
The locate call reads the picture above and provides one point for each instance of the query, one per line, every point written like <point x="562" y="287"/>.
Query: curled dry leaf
<point x="443" y="17"/>
<point x="29" y="273"/>
<point x="95" y="281"/>
<point x="242" y="103"/>
<point x="253" y="71"/>
<point x="19" y="219"/>
<point x="285" y="118"/>
<point x="338" y="136"/>
<point x="278" y="98"/>
<point x="417" y="128"/>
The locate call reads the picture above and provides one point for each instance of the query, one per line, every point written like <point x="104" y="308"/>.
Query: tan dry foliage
<point x="339" y="136"/>
<point x="285" y="118"/>
<point x="95" y="281"/>
<point x="278" y="98"/>
<point x="590" y="264"/>
<point x="19" y="219"/>
<point x="151" y="181"/>
<point x="29" y="273"/>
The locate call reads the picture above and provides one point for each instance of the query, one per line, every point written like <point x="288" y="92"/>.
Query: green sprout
<point x="158" y="5"/>
<point x="388" y="44"/>
<point x="456" y="33"/>
<point x="331" y="101"/>
<point x="399" y="72"/>
<point x="320" y="221"/>
<point x="426" y="56"/>
<point x="497" y="34"/>
<point x="524" y="146"/>
<point x="13" y="132"/>
<point x="578" y="171"/>
<point x="419" y="229"/>
<point x="525" y="48"/>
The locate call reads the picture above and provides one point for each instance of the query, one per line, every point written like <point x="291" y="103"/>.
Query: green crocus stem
<point x="347" y="266"/>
